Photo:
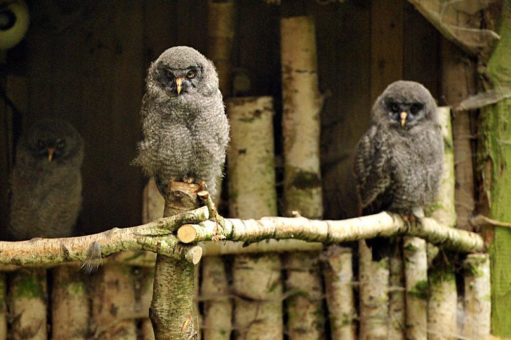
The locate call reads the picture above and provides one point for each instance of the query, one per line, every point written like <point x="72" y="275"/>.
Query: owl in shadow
<point x="185" y="129"/>
<point x="398" y="162"/>
<point x="46" y="181"/>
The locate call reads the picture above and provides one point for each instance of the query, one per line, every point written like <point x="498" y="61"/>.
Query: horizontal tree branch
<point x="275" y="234"/>
<point x="155" y="236"/>
<point x="382" y="224"/>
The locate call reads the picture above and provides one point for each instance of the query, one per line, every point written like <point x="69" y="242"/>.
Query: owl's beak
<point x="51" y="151"/>
<point x="179" y="82"/>
<point x="402" y="117"/>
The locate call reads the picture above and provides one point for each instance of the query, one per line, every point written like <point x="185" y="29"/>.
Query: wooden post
<point x="221" y="15"/>
<point x="215" y="287"/>
<point x="217" y="303"/>
<point x="302" y="104"/>
<point x="458" y="82"/>
<point x="256" y="278"/>
<point x="113" y="303"/>
<point x="69" y="303"/>
<point x="338" y="271"/>
<point x="442" y="285"/>
<point x="172" y="308"/>
<point x="477" y="316"/>
<point x="397" y="311"/>
<point x="374" y="295"/>
<point x="3" y="306"/>
<point x="416" y="278"/>
<point x="495" y="157"/>
<point x="386" y="66"/>
<point x="27" y="304"/>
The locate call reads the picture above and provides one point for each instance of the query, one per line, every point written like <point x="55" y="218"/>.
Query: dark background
<point x="85" y="61"/>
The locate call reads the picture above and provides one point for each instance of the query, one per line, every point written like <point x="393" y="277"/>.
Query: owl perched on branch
<point x="46" y="181"/>
<point x="399" y="159"/>
<point x="184" y="124"/>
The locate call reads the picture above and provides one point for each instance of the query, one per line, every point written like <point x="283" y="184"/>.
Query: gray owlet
<point x="399" y="159"/>
<point x="184" y="124"/>
<point x="46" y="181"/>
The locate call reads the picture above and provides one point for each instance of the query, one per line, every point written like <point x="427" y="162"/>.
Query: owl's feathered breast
<point x="183" y="138"/>
<point x="399" y="170"/>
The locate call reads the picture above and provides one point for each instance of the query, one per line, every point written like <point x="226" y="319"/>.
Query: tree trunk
<point x="302" y="104"/>
<point x="256" y="278"/>
<point x="172" y="308"/>
<point x="494" y="162"/>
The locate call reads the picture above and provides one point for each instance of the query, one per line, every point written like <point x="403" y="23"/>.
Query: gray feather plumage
<point x="185" y="135"/>
<point x="46" y="196"/>
<point x="399" y="168"/>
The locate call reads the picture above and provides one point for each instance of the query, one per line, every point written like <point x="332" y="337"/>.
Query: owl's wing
<point x="372" y="170"/>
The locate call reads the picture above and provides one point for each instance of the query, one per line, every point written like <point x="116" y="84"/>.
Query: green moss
<point x="440" y="274"/>
<point x="420" y="290"/>
<point x="495" y="158"/>
<point x="76" y="288"/>
<point x="305" y="180"/>
<point x="28" y="285"/>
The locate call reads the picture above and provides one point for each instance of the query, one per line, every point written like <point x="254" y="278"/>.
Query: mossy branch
<point x="382" y="224"/>
<point x="192" y="227"/>
<point x="155" y="236"/>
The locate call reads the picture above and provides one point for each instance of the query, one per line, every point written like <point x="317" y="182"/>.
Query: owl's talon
<point x="189" y="180"/>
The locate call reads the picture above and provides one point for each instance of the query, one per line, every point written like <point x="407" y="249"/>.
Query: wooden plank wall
<point x="85" y="61"/>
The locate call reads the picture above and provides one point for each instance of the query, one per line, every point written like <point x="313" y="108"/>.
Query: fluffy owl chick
<point x="184" y="124"/>
<point x="399" y="159"/>
<point x="46" y="181"/>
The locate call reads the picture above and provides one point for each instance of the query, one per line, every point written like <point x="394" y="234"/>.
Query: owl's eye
<point x="60" y="144"/>
<point x="415" y="108"/>
<point x="394" y="107"/>
<point x="169" y="74"/>
<point x="191" y="74"/>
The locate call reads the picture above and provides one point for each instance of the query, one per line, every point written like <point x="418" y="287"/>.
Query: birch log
<point x="70" y="304"/>
<point x="113" y="303"/>
<point x="215" y="295"/>
<point x="3" y="306"/>
<point x="256" y="278"/>
<point x="302" y="104"/>
<point x="416" y="283"/>
<point x="217" y="306"/>
<point x="396" y="294"/>
<point x="28" y="304"/>
<point x="458" y="82"/>
<point x="374" y="295"/>
<point x="172" y="307"/>
<point x="442" y="322"/>
<point x="477" y="316"/>
<point x="221" y="15"/>
<point x="338" y="271"/>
